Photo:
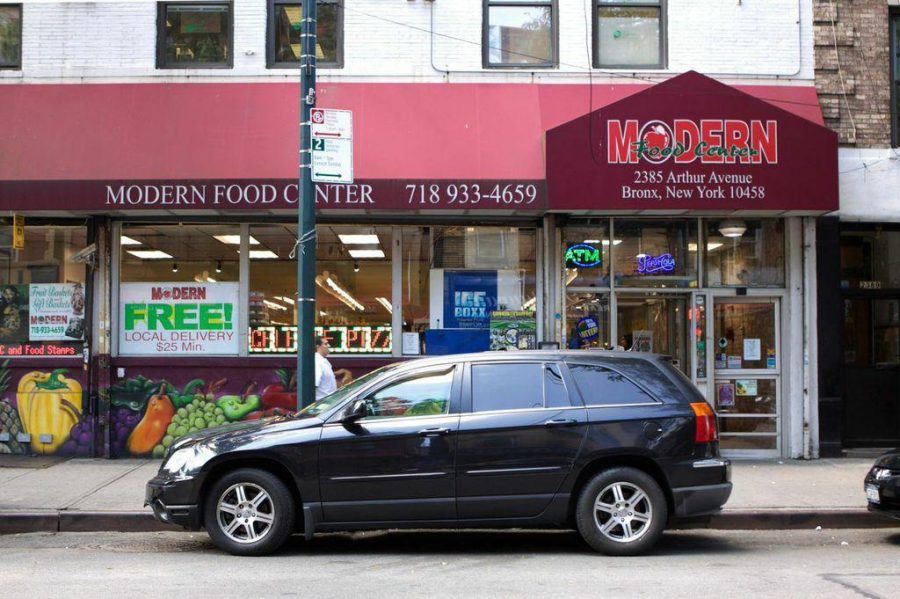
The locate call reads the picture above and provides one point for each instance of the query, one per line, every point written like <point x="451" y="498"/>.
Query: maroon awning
<point x="124" y="147"/>
<point x="692" y="143"/>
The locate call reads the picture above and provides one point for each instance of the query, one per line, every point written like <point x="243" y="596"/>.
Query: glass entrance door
<point x="654" y="322"/>
<point x="747" y="371"/>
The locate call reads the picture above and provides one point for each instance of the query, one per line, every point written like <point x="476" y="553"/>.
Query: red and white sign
<point x="710" y="141"/>
<point x="332" y="145"/>
<point x="331" y="124"/>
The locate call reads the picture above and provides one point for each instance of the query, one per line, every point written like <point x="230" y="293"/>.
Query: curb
<point x="80" y="521"/>
<point x="13" y="522"/>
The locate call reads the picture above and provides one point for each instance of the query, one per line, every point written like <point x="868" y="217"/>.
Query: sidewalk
<point x="91" y="495"/>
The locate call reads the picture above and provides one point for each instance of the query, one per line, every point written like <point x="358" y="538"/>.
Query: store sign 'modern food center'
<point x="711" y="141"/>
<point x="665" y="153"/>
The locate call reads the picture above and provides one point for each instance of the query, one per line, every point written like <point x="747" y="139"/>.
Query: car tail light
<point x="705" y="419"/>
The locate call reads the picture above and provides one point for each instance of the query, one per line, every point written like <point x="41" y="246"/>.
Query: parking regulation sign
<point x="332" y="145"/>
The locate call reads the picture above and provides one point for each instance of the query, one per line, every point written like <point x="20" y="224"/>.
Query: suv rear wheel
<point x="249" y="512"/>
<point x="621" y="511"/>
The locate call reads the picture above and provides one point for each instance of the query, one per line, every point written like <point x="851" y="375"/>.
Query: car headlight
<point x="187" y="460"/>
<point x="882" y="473"/>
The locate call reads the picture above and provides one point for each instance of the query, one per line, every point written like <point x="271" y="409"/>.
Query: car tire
<point x="249" y="512"/>
<point x="621" y="511"/>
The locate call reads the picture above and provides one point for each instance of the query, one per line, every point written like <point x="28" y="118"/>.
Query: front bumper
<point x="174" y="501"/>
<point x="888" y="503"/>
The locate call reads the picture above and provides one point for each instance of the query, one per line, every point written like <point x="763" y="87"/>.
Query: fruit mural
<point x="148" y="415"/>
<point x="43" y="405"/>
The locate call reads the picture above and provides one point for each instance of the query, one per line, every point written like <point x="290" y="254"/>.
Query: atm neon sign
<point x="582" y="255"/>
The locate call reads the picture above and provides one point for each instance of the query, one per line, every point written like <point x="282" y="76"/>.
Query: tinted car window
<point x="602" y="386"/>
<point x="507" y="386"/>
<point x="415" y="396"/>
<point x="555" y="394"/>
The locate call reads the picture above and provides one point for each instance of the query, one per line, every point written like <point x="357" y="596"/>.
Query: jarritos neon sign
<point x="711" y="141"/>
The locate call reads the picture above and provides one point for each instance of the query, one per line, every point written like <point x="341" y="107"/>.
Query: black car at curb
<point x="882" y="485"/>
<point x="617" y="445"/>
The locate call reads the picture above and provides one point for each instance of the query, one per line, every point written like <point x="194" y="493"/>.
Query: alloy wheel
<point x="245" y="513"/>
<point x="622" y="512"/>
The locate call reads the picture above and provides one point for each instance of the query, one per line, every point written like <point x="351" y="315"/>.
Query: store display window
<point x="178" y="290"/>
<point x="745" y="253"/>
<point x="586" y="253"/>
<point x="353" y="288"/>
<point x="43" y="304"/>
<point x="656" y="253"/>
<point x="468" y="288"/>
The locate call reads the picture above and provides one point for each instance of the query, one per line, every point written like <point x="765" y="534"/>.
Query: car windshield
<point x="329" y="401"/>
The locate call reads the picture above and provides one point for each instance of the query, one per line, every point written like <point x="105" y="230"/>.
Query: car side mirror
<point x="357" y="410"/>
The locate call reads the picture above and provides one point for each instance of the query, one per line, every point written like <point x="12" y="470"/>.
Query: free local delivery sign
<point x="172" y="319"/>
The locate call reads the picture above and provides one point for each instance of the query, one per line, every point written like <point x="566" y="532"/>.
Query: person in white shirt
<point x="326" y="384"/>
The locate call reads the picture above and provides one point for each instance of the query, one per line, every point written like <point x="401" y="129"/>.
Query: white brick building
<point x="765" y="41"/>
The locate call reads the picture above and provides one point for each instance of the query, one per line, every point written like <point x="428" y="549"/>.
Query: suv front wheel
<point x="249" y="512"/>
<point x="621" y="511"/>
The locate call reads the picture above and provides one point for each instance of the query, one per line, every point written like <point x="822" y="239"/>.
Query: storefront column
<point x="99" y="373"/>
<point x="800" y="379"/>
<point x="810" y="341"/>
<point x="552" y="310"/>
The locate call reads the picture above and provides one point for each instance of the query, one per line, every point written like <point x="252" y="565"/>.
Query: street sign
<point x="332" y="123"/>
<point x="18" y="232"/>
<point x="332" y="145"/>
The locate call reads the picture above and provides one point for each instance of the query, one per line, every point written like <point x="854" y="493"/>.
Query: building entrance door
<point x="871" y="376"/>
<point x="745" y="346"/>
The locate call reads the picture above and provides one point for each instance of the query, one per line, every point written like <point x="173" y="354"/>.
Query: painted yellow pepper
<point x="49" y="403"/>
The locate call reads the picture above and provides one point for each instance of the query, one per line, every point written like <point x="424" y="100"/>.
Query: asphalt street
<point x="825" y="563"/>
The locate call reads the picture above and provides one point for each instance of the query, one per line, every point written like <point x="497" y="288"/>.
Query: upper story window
<point x="285" y="25"/>
<point x="10" y="36"/>
<point x="630" y="34"/>
<point x="519" y="33"/>
<point x="195" y="35"/>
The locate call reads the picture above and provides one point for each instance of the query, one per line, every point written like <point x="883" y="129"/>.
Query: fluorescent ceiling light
<point x="126" y="240"/>
<point x="712" y="245"/>
<point x="366" y="253"/>
<point x="592" y="241"/>
<point x="274" y="305"/>
<point x="615" y="241"/>
<point x="262" y="254"/>
<point x="149" y="254"/>
<point x="387" y="305"/>
<point x="285" y="299"/>
<point x="325" y="281"/>
<point x="210" y="280"/>
<point x="235" y="239"/>
<point x="367" y="239"/>
<point x="529" y="304"/>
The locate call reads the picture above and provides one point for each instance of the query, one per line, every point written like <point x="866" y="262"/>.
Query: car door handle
<point x="434" y="432"/>
<point x="561" y="422"/>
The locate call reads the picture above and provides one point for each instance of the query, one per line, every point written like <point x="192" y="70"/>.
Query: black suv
<point x="615" y="444"/>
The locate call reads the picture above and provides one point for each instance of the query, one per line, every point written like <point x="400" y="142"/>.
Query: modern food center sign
<point x="692" y="143"/>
